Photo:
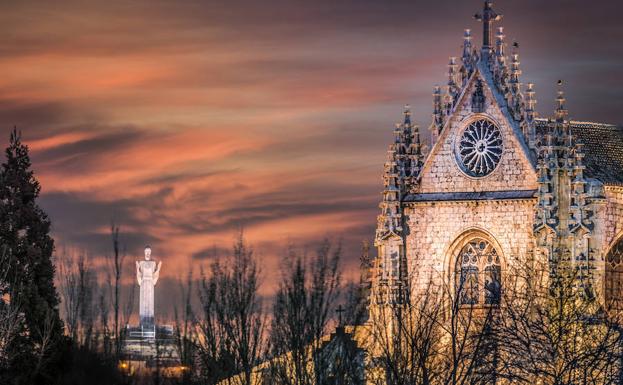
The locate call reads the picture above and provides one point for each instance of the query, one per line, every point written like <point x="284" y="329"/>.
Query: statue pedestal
<point x="142" y="332"/>
<point x="150" y="347"/>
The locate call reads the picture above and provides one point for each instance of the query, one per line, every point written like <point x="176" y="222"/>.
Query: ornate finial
<point x="467" y="39"/>
<point x="407" y="114"/>
<point x="560" y="113"/>
<point x="438" y="117"/>
<point x="499" y="42"/>
<point x="389" y="220"/>
<point x="487" y="17"/>
<point x="530" y="101"/>
<point x="500" y="70"/>
<point x="453" y="88"/>
<point x="515" y="71"/>
<point x="398" y="133"/>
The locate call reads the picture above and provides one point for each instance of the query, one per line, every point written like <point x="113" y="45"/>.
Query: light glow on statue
<point x="147" y="273"/>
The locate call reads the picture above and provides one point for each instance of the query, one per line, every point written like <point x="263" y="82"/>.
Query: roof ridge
<point x="583" y="123"/>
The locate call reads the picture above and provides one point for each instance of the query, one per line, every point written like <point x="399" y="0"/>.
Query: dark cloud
<point x="181" y="177"/>
<point x="211" y="253"/>
<point x="85" y="222"/>
<point x="33" y="119"/>
<point x="81" y="155"/>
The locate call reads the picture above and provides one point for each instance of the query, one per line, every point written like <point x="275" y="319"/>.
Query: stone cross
<point x="339" y="312"/>
<point x="487" y="17"/>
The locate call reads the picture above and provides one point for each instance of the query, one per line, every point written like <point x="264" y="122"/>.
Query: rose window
<point x="480" y="148"/>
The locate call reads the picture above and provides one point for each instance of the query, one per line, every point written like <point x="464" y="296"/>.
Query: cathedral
<point x="499" y="185"/>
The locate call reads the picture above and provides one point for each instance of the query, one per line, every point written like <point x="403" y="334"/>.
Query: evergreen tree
<point x="24" y="236"/>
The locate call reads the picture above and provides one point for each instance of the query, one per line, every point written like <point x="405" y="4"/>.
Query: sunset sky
<point x="181" y="120"/>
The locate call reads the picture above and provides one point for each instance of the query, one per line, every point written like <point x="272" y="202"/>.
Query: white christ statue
<point x="147" y="273"/>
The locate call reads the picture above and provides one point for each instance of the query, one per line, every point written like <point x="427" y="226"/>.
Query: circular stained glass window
<point x="480" y="148"/>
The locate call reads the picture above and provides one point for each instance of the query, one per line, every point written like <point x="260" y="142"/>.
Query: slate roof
<point x="603" y="145"/>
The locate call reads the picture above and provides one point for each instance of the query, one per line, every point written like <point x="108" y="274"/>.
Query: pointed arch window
<point x="479" y="274"/>
<point x="614" y="276"/>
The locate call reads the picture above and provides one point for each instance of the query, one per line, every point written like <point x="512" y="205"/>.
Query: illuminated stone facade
<point x="498" y="176"/>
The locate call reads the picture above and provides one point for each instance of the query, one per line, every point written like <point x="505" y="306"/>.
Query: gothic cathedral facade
<point x="499" y="186"/>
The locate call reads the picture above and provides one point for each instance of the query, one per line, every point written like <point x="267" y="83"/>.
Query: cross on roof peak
<point x="487" y="17"/>
<point x="340" y="309"/>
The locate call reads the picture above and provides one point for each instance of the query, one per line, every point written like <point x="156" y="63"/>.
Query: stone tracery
<point x="480" y="148"/>
<point x="478" y="272"/>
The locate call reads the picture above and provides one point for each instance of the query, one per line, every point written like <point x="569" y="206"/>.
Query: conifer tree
<point x="24" y="235"/>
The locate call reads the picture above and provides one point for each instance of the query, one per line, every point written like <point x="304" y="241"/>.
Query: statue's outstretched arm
<point x="138" y="273"/>
<point x="157" y="273"/>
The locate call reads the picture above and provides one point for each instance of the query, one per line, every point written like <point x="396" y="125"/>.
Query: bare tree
<point x="77" y="286"/>
<point x="185" y="330"/>
<point x="432" y="338"/>
<point x="232" y="321"/>
<point x="556" y="331"/>
<point x="44" y="344"/>
<point x="103" y="332"/>
<point x="303" y="307"/>
<point x="116" y="267"/>
<point x="10" y="315"/>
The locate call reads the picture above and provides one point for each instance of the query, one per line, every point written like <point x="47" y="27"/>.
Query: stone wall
<point x="434" y="227"/>
<point x="612" y="217"/>
<point x="608" y="229"/>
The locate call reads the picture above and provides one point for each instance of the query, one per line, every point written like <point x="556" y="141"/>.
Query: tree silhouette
<point x="25" y="238"/>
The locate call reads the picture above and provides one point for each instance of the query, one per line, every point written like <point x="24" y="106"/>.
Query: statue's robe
<point x="148" y="277"/>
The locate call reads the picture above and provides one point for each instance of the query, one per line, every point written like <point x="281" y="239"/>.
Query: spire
<point x="515" y="98"/>
<point x="438" y="116"/>
<point x="453" y="88"/>
<point x="500" y="46"/>
<point x="487" y="17"/>
<point x="530" y="101"/>
<point x="408" y="151"/>
<point x="467" y="58"/>
<point x="500" y="69"/>
<point x="402" y="134"/>
<point x="415" y="158"/>
<point x="407" y="115"/>
<point x="560" y="113"/>
<point x="515" y="71"/>
<point x="390" y="219"/>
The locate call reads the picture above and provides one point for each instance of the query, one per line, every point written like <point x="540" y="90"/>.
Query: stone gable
<point x="441" y="172"/>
